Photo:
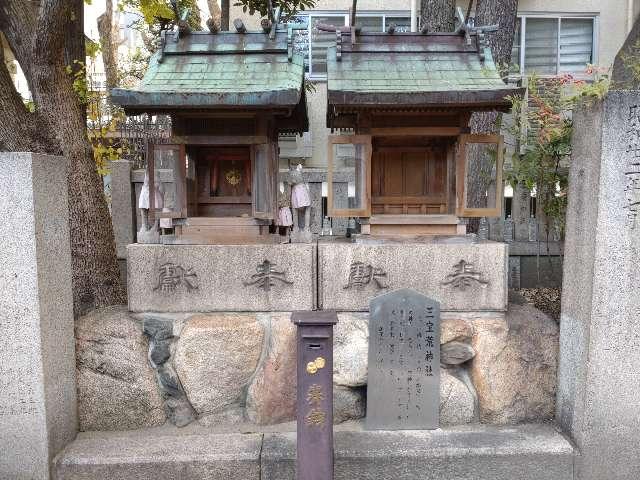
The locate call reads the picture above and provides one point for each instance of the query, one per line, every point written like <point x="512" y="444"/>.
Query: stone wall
<point x="140" y="370"/>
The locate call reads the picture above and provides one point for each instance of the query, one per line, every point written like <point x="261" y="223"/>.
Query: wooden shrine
<point x="229" y="95"/>
<point x="401" y="103"/>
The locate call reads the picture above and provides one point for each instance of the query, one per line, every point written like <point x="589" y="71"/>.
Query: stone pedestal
<point x="37" y="360"/>
<point x="598" y="383"/>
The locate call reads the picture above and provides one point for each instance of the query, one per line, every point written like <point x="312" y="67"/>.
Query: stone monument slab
<point x="598" y="382"/>
<point x="462" y="275"/>
<point x="209" y="278"/>
<point x="403" y="388"/>
<point x="37" y="353"/>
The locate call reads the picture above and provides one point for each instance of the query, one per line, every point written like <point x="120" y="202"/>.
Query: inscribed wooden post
<point x="315" y="394"/>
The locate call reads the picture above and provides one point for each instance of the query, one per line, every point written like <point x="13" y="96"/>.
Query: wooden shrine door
<point x="409" y="179"/>
<point x="224" y="181"/>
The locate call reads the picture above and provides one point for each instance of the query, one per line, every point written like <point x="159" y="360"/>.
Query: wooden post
<point x="315" y="394"/>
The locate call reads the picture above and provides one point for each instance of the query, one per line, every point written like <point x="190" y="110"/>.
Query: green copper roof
<point x="227" y="70"/>
<point x="414" y="70"/>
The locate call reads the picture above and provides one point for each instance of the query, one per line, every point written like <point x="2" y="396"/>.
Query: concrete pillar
<point x="122" y="205"/>
<point x="37" y="354"/>
<point x="598" y="400"/>
<point x="520" y="212"/>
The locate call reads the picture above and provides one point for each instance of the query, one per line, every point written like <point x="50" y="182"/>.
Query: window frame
<point x="365" y="140"/>
<point x="309" y="14"/>
<point x="179" y="182"/>
<point x="462" y="210"/>
<point x="522" y="19"/>
<point x="269" y="178"/>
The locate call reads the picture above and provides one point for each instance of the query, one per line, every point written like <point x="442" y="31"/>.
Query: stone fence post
<point x="598" y="400"/>
<point x="122" y="205"/>
<point x="37" y="348"/>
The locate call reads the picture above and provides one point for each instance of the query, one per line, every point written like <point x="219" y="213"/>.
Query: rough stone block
<point x="598" y="381"/>
<point x="526" y="452"/>
<point x="207" y="278"/>
<point x="168" y="457"/>
<point x="514" y="369"/>
<point x="271" y="397"/>
<point x="37" y="358"/>
<point x="216" y="357"/>
<point x="116" y="385"/>
<point x="350" y="274"/>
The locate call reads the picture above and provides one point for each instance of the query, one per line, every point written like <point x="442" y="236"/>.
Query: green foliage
<point x="78" y="73"/>
<point x="132" y="67"/>
<point x="103" y="118"/>
<point x="289" y="8"/>
<point x="631" y="59"/>
<point x="91" y="48"/>
<point x="158" y="15"/>
<point x="543" y="127"/>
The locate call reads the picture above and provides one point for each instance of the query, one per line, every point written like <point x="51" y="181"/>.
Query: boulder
<point x="116" y="385"/>
<point x="348" y="403"/>
<point x="514" y="370"/>
<point x="455" y="353"/>
<point x="271" y="397"/>
<point x="216" y="357"/>
<point x="455" y="329"/>
<point x="350" y="348"/>
<point x="457" y="402"/>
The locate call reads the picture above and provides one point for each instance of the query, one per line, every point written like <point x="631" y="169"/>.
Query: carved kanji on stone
<point x="361" y="275"/>
<point x="632" y="195"/>
<point x="172" y="276"/>
<point x="464" y="276"/>
<point x="267" y="276"/>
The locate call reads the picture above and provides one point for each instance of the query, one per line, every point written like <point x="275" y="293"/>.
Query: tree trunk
<point x="214" y="10"/>
<point x="438" y="15"/>
<point x="224" y="15"/>
<point x="109" y="46"/>
<point x="622" y="75"/>
<point x="96" y="275"/>
<point x="504" y="14"/>
<point x="20" y="130"/>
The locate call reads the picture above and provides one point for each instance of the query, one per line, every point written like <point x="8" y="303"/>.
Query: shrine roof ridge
<point x="382" y="70"/>
<point x="226" y="70"/>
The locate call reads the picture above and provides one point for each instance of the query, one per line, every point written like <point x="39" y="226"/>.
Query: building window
<point x="556" y="45"/>
<point x="313" y="43"/>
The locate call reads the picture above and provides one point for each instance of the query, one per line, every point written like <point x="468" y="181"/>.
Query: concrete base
<point x="480" y="452"/>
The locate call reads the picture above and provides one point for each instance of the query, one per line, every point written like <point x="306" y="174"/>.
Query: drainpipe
<point x="414" y="15"/>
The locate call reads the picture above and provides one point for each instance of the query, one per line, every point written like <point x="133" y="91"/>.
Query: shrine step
<point x="524" y="452"/>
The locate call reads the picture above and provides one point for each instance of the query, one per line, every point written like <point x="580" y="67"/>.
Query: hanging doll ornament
<point x="148" y="234"/>
<point x="301" y="204"/>
<point x="285" y="219"/>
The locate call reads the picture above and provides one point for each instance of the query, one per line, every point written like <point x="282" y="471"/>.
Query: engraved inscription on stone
<point x="464" y="276"/>
<point x="267" y="276"/>
<point x="632" y="133"/>
<point x="172" y="276"/>
<point x="632" y="173"/>
<point x="403" y="388"/>
<point x="632" y="195"/>
<point x="361" y="275"/>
